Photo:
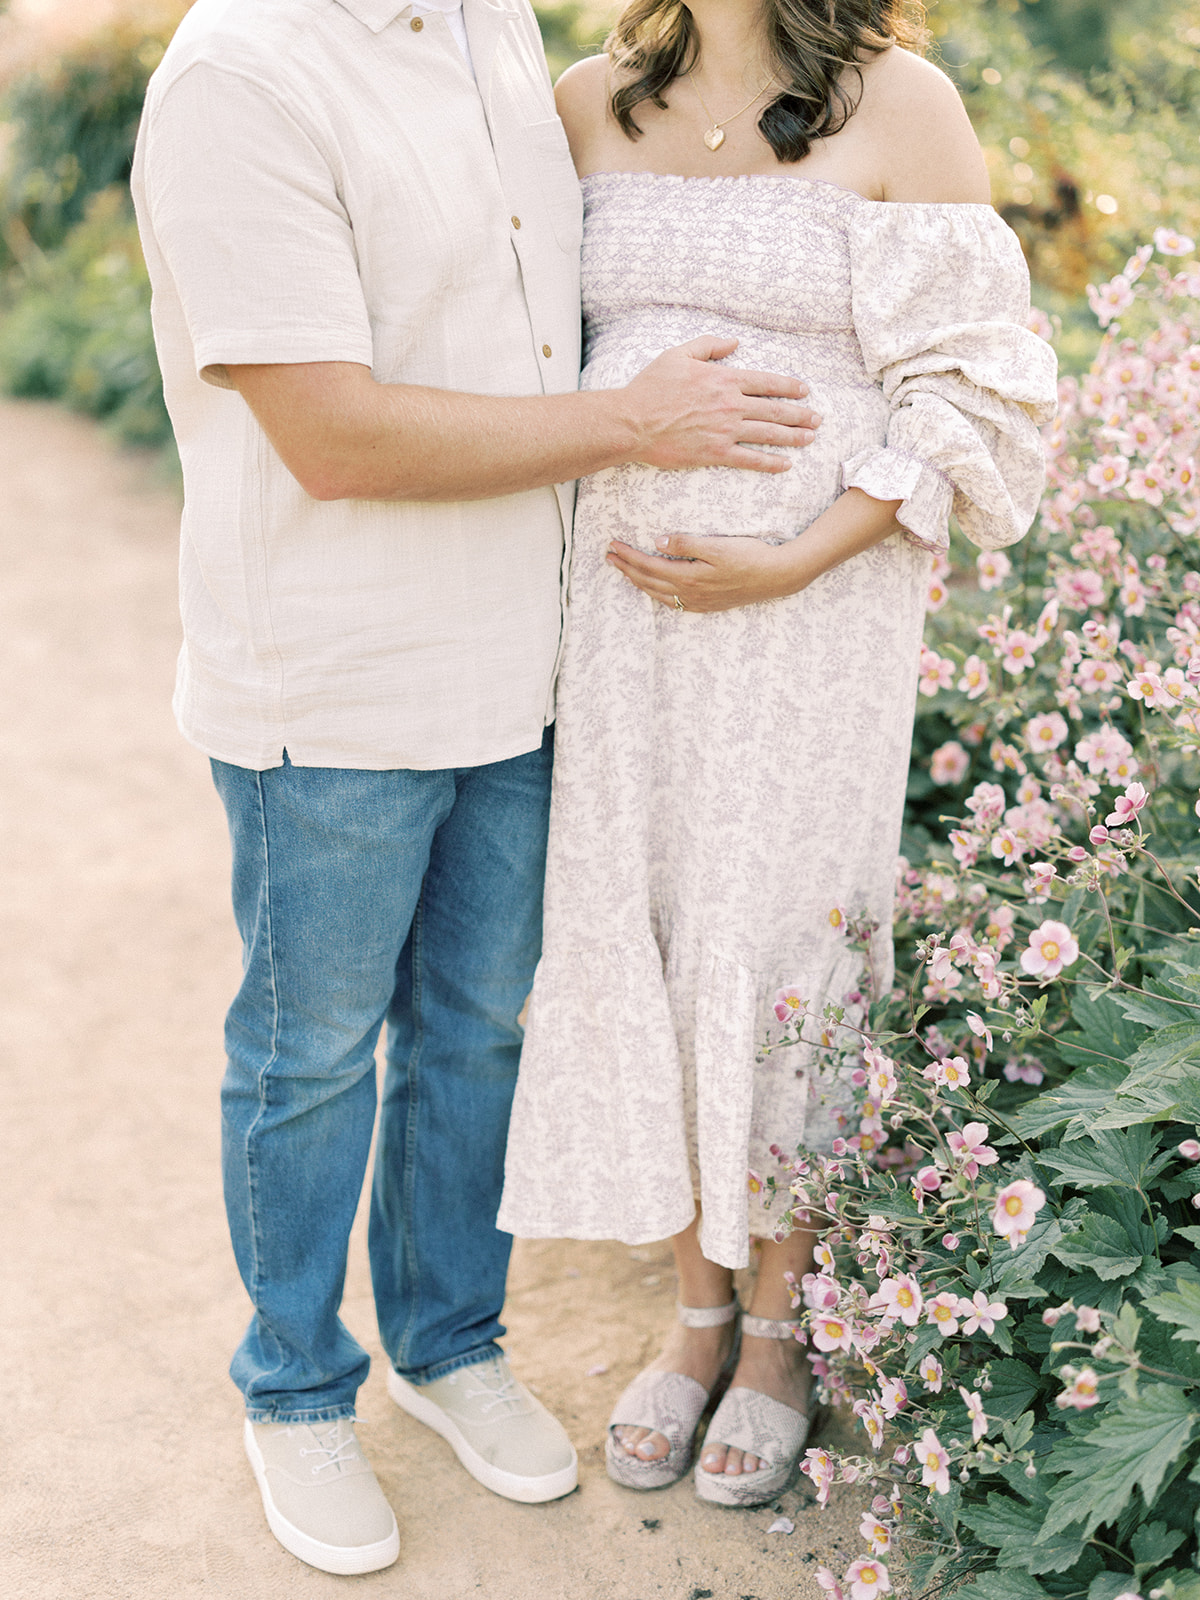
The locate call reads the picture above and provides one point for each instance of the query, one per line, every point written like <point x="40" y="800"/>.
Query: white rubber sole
<point x="512" y="1485"/>
<point x="344" y="1560"/>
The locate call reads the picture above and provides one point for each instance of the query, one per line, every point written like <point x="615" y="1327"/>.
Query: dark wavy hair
<point x="813" y="43"/>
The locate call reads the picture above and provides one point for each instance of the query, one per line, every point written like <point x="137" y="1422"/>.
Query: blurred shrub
<point x="74" y="125"/>
<point x="78" y="327"/>
<point x="75" y="297"/>
<point x="571" y="30"/>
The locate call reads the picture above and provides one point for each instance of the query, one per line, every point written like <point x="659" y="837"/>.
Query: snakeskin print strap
<point x="764" y="1328"/>
<point x="707" y="1316"/>
<point x="753" y="1422"/>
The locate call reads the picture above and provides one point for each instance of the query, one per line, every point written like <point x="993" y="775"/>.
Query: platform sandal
<point x="754" y="1423"/>
<point x="670" y="1404"/>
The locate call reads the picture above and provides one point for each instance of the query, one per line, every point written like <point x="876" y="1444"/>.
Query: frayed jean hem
<point x="442" y="1369"/>
<point x="283" y="1414"/>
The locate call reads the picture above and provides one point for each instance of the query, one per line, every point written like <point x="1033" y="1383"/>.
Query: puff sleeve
<point x="940" y="297"/>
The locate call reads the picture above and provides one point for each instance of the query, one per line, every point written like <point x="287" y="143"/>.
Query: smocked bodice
<point x="907" y="322"/>
<point x="762" y="259"/>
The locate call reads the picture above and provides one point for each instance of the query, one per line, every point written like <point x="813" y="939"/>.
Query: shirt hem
<point x="302" y="754"/>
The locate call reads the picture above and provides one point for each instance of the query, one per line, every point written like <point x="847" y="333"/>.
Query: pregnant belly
<point x="637" y="503"/>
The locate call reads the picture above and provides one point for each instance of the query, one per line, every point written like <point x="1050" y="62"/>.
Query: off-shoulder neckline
<point x="785" y="177"/>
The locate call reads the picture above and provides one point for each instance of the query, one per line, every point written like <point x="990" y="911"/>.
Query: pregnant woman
<point x="737" y="693"/>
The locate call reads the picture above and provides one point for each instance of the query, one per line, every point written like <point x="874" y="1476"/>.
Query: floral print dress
<point x="723" y="780"/>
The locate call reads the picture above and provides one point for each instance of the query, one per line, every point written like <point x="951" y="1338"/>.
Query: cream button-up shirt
<point x="324" y="180"/>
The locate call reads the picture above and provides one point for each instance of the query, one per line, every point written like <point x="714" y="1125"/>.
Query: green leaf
<point x="1166" y="1047"/>
<point x="1108" y="1585"/>
<point x="1149" y="1434"/>
<point x="1134" y="1444"/>
<point x="1155" y="1012"/>
<point x="1127" y="1326"/>
<point x="1192" y="1235"/>
<point x="1181" y="1308"/>
<point x="1082" y="1097"/>
<point x="1104" y="1032"/>
<point x="1098" y="1494"/>
<point x="1011" y="1270"/>
<point x="1101" y="1244"/>
<point x="1015" y="1386"/>
<point x="1158" y="1092"/>
<point x="1011" y="1527"/>
<point x="1018" y="1433"/>
<point x="1010" y="1585"/>
<point x="1122" y="1156"/>
<point x="928" y="1338"/>
<point x="1000" y="1518"/>
<point x="1154" y="1542"/>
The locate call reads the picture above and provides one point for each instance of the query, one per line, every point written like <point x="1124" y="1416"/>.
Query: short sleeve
<point x="243" y="208"/>
<point x="940" y="297"/>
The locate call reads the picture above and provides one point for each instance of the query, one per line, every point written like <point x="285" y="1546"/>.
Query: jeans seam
<point x="272" y="1058"/>
<point x="410" y="1140"/>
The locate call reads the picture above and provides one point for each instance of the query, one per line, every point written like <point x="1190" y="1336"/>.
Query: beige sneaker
<point x="322" y="1500"/>
<point x="505" y="1438"/>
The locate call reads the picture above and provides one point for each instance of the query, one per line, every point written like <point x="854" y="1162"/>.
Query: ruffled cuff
<point x="927" y="493"/>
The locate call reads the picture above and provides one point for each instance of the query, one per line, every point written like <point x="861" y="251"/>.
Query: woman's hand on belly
<point x="707" y="574"/>
<point x="719" y="574"/>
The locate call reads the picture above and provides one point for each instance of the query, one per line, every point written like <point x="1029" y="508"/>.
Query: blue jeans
<point x="413" y="897"/>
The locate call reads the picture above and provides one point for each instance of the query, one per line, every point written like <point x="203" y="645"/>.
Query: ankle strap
<point x="765" y="1328"/>
<point x="706" y="1316"/>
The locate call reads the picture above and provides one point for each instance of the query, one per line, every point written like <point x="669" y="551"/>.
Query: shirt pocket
<point x="560" y="186"/>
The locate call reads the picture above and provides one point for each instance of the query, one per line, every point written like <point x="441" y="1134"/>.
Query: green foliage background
<point x="1074" y="100"/>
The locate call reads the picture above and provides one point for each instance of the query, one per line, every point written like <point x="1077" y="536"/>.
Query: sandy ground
<point x="124" y="1474"/>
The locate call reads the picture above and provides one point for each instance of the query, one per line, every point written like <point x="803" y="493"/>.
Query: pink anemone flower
<point x="1015" y="1209"/>
<point x="935" y="1462"/>
<point x="1051" y="948"/>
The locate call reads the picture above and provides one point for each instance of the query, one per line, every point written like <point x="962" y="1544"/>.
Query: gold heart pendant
<point x="715" y="138"/>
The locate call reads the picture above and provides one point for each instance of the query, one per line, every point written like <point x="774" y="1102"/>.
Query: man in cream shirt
<point x="363" y="227"/>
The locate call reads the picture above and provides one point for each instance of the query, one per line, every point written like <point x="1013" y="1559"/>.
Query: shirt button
<point x="416" y="24"/>
<point x="516" y="221"/>
<point x="546" y="351"/>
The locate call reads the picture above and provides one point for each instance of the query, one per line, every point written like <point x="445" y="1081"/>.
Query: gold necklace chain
<point x="714" y="136"/>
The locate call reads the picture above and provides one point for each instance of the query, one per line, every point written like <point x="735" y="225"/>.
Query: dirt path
<point x="124" y="1475"/>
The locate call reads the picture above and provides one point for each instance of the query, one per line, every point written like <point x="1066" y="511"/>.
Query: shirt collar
<point x="374" y="14"/>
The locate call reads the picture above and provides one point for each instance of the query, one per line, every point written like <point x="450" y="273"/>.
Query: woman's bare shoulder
<point x="582" y="95"/>
<point x="917" y="122"/>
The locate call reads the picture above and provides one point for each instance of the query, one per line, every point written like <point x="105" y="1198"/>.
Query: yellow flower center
<point x="868" y="1575"/>
<point x="1050" y="950"/>
<point x="1014" y="1205"/>
<point x="904" y="1297"/>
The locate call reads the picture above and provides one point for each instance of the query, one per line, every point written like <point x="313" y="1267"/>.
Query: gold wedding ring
<point x="679" y="605"/>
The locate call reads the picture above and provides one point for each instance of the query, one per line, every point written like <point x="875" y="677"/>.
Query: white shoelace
<point x="335" y="1452"/>
<point x="505" y="1393"/>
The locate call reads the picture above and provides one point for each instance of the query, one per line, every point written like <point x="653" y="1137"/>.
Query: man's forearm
<point x="369" y="441"/>
<point x="344" y="436"/>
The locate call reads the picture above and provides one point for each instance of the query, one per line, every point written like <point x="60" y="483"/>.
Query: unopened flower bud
<point x="1031" y="1471"/>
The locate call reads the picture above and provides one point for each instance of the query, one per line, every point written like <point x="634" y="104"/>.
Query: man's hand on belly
<point x="687" y="411"/>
